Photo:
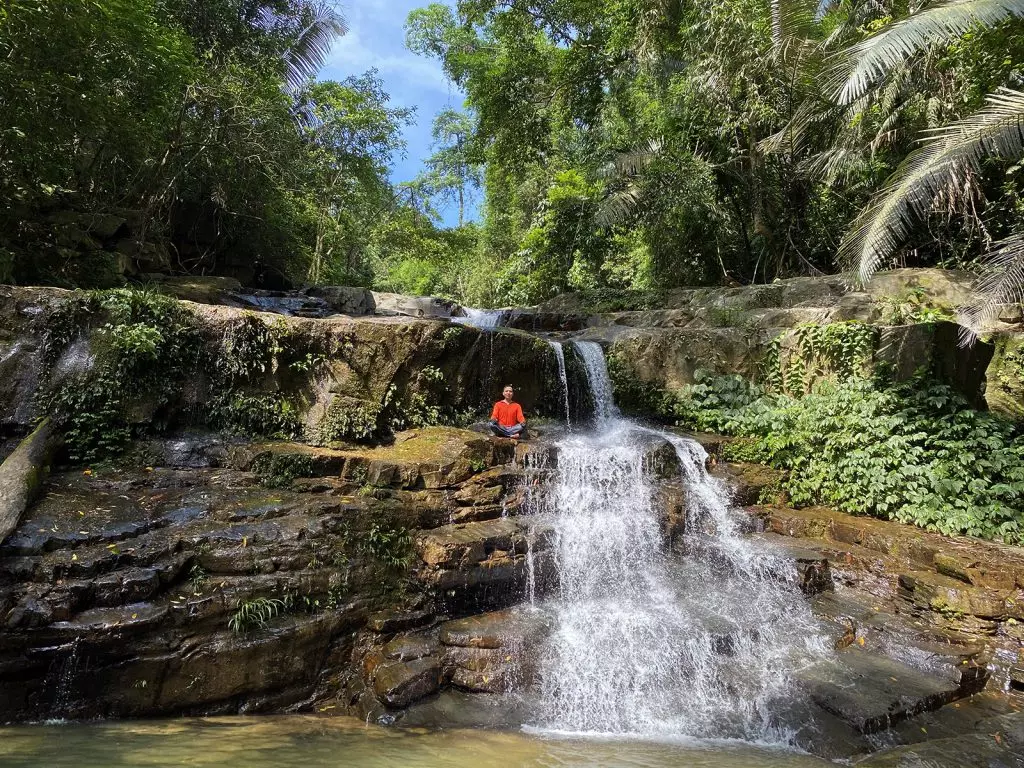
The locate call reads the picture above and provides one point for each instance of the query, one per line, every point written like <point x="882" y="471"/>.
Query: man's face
<point x="507" y="392"/>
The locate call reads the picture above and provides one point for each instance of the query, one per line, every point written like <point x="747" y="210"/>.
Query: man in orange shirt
<point x="507" y="417"/>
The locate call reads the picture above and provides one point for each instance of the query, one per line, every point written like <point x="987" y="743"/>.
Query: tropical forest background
<point x="619" y="147"/>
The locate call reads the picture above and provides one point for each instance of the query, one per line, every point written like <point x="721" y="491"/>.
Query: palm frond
<point x="810" y="113"/>
<point x="996" y="130"/>
<point x="1002" y="282"/>
<point x="793" y="20"/>
<point x="309" y="52"/>
<point x="836" y="163"/>
<point x="634" y="161"/>
<point x="857" y="68"/>
<point x="618" y="206"/>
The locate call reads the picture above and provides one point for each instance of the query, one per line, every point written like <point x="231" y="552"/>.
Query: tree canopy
<point x="612" y="144"/>
<point x="632" y="144"/>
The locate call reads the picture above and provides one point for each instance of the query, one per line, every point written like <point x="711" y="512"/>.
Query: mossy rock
<point x="1004" y="390"/>
<point x="348" y="419"/>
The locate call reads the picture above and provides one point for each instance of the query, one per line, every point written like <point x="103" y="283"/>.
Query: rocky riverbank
<point x="312" y="543"/>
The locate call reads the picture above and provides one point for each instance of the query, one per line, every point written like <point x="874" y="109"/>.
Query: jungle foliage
<point x="183" y="136"/>
<point x="617" y="145"/>
<point x="850" y="437"/>
<point x="912" y="452"/>
<point x="629" y="144"/>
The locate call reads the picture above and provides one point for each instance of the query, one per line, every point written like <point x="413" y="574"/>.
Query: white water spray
<point x="605" y="409"/>
<point x="645" y="643"/>
<point x="560" y="357"/>
<point x="484" y="319"/>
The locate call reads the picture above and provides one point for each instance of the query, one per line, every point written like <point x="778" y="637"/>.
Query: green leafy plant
<point x="90" y="410"/>
<point x="912" y="452"/>
<point x="147" y="344"/>
<point x="269" y="415"/>
<point x="136" y="341"/>
<point x="841" y="350"/>
<point x="257" y="613"/>
<point x="349" y="418"/>
<point x="388" y="543"/>
<point x="277" y="470"/>
<point x="197" y="578"/>
<point x="912" y="305"/>
<point x="248" y="348"/>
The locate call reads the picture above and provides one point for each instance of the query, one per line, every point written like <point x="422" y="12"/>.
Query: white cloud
<point x="376" y="39"/>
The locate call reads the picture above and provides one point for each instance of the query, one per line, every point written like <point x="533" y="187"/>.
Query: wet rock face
<point x="872" y="692"/>
<point x="482" y="565"/>
<point x="159" y="591"/>
<point x="964" y="596"/>
<point x="399" y="683"/>
<point x="493" y="652"/>
<point x="343" y="376"/>
<point x="22" y="336"/>
<point x="118" y="590"/>
<point x="486" y="653"/>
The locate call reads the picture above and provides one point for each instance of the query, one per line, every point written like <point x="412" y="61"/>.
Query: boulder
<point x="398" y="684"/>
<point x="409" y="647"/>
<point x="412" y="306"/>
<point x="346" y="300"/>
<point x="200" y="289"/>
<point x="872" y="692"/>
<point x="995" y="741"/>
<point x="387" y="622"/>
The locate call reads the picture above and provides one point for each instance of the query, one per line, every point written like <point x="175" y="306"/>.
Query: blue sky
<point x="376" y="39"/>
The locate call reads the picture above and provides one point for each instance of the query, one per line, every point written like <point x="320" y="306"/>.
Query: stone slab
<point x="872" y="692"/>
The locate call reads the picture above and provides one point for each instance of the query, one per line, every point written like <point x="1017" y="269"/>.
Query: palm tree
<point x="323" y="23"/>
<point x="948" y="156"/>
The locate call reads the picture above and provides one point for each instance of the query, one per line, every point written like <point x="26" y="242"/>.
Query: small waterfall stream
<point x="560" y="357"/>
<point x="600" y="384"/>
<point x="647" y="643"/>
<point x="484" y="319"/>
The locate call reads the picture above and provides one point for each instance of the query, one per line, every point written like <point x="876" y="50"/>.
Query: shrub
<point x="912" y="452"/>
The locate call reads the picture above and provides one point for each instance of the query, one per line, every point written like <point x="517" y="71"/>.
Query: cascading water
<point x="485" y="319"/>
<point x="560" y="357"/>
<point x="646" y="643"/>
<point x="600" y="384"/>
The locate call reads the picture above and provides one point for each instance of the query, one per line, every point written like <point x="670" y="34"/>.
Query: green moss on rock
<point x="348" y="419"/>
<point x="1004" y="391"/>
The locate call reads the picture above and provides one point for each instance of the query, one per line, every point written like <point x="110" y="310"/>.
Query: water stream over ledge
<point x="652" y="645"/>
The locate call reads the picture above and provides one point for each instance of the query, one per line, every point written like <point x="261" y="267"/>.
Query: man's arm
<point x="494" y="412"/>
<point x="519" y="413"/>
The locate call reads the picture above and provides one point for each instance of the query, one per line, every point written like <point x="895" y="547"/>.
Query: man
<point x="507" y="417"/>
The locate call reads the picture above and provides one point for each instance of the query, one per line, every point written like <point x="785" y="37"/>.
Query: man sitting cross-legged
<point x="507" y="417"/>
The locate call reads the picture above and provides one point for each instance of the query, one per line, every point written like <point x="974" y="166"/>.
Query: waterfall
<point x="560" y="357"/>
<point x="597" y="377"/>
<point x="485" y="319"/>
<point x="651" y="644"/>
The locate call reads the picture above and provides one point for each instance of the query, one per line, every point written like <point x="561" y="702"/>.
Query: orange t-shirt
<point x="507" y="414"/>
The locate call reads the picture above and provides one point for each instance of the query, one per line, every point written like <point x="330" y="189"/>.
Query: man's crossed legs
<point x="502" y="431"/>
